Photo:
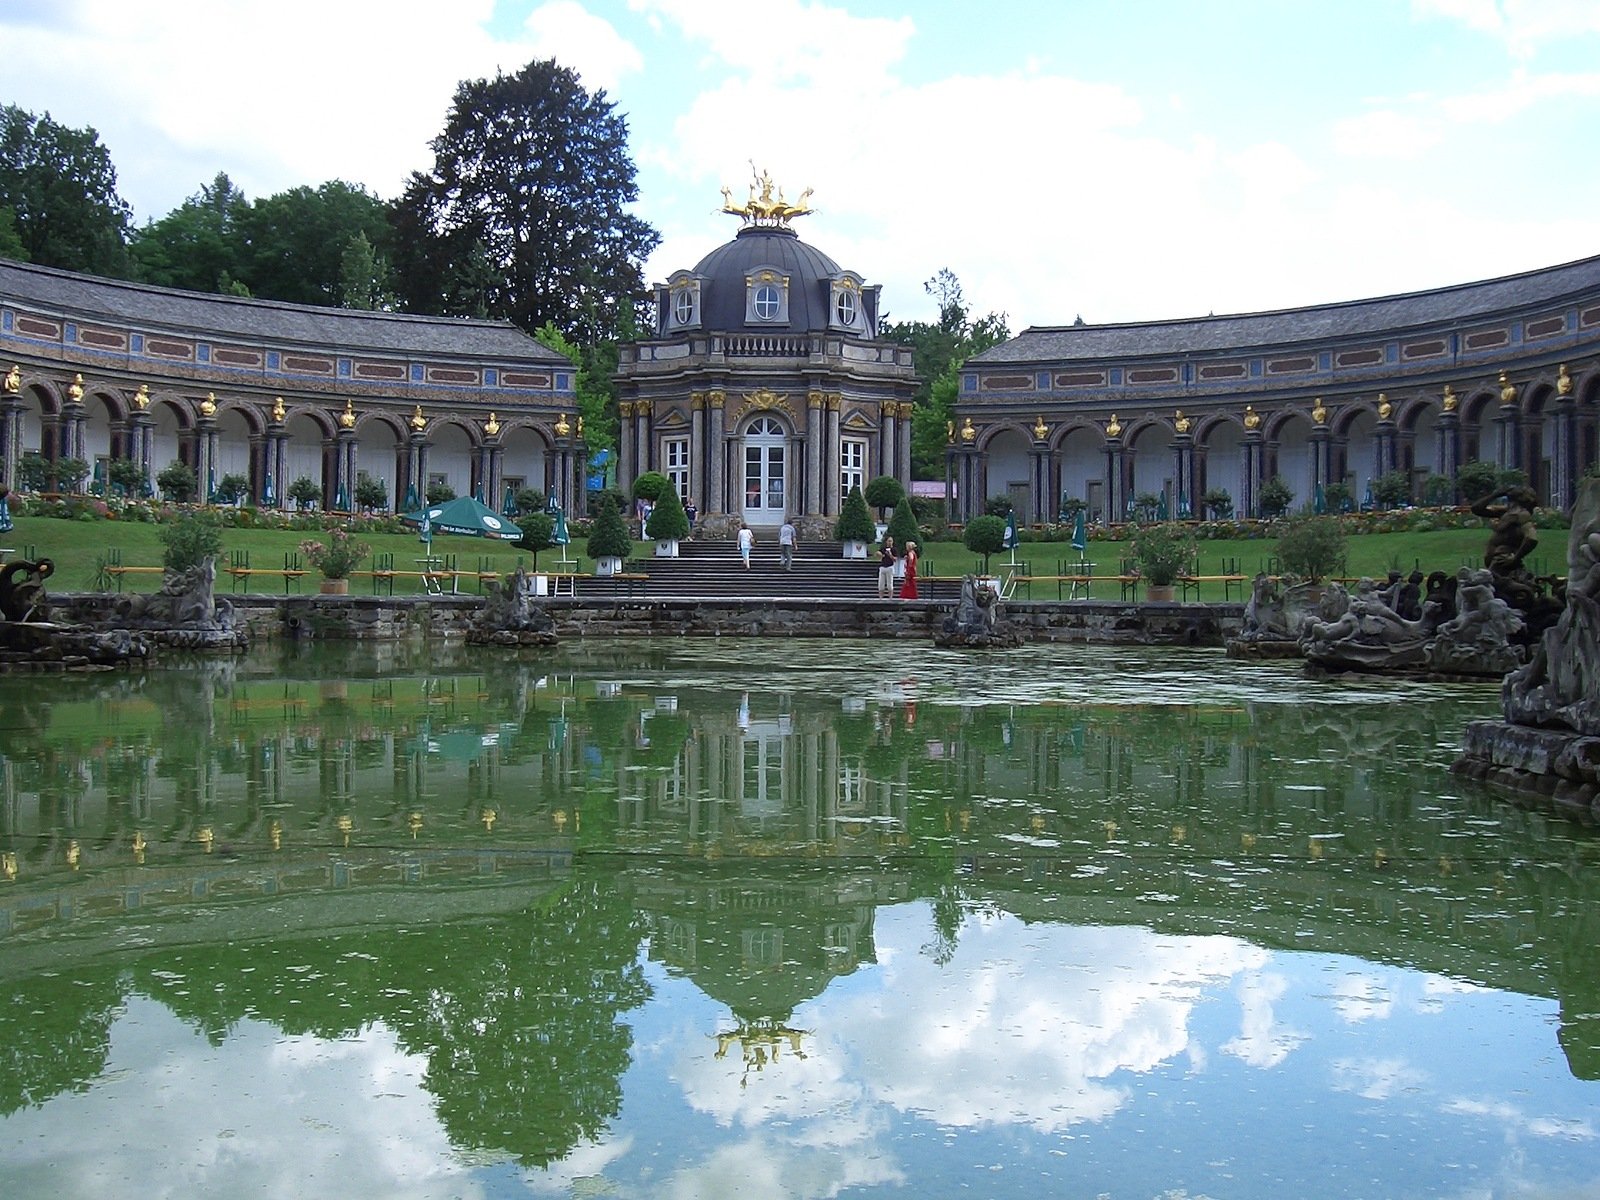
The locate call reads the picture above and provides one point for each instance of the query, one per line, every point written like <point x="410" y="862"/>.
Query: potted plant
<point x="854" y="527"/>
<point x="1162" y="553"/>
<point x="1219" y="503"/>
<point x="609" y="541"/>
<point x="668" y="523"/>
<point x="883" y="492"/>
<point x="1276" y="496"/>
<point x="335" y="558"/>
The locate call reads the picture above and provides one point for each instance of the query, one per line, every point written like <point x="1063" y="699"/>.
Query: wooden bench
<point x="240" y="570"/>
<point x="117" y="571"/>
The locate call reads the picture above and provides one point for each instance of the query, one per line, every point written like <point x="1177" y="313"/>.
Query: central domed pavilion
<point x="766" y="391"/>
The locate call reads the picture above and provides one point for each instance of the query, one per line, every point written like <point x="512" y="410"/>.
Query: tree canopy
<point x="61" y="190"/>
<point x="524" y="214"/>
<point x="937" y="351"/>
<point x="199" y="245"/>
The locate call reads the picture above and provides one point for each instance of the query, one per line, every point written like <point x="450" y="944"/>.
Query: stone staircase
<point x="711" y="569"/>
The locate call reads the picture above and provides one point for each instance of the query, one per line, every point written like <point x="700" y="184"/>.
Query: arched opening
<point x="380" y="442"/>
<point x="522" y="461"/>
<point x="450" y="458"/>
<point x="303" y="454"/>
<point x="1082" y="458"/>
<point x="1006" y="471"/>
<point x="1292" y="459"/>
<point x="764" y="478"/>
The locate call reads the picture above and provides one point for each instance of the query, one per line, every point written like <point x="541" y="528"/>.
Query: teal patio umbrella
<point x="508" y="510"/>
<point x="464" y="515"/>
<point x="1080" y="533"/>
<point x="1161" y="508"/>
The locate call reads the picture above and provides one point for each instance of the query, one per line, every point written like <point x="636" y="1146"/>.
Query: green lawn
<point x="75" y="546"/>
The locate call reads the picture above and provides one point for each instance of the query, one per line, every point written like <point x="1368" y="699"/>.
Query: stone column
<point x="205" y="447"/>
<point x="902" y="470"/>
<point x="72" y="419"/>
<point x="1116" y="501"/>
<point x="716" y="452"/>
<point x="888" y="413"/>
<point x="697" y="447"/>
<point x="831" y="500"/>
<point x="1564" y="469"/>
<point x="1186" y="503"/>
<point x="814" y="402"/>
<point x="1039" y="474"/>
<point x="10" y="438"/>
<point x="1250" y="453"/>
<point x="344" y="469"/>
<point x="1321" y="466"/>
<point x="1448" y="434"/>
<point x="625" y="451"/>
<point x="644" y="450"/>
<point x="1508" y="427"/>
<point x="141" y="436"/>
<point x="1383" y="448"/>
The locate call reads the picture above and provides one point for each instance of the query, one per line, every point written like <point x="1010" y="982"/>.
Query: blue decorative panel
<point x="1116" y="376"/>
<point x="344" y="368"/>
<point x="418" y="374"/>
<point x="136" y="343"/>
<point x="5" y="322"/>
<point x="1043" y="381"/>
<point x="72" y="332"/>
<point x="1391" y="352"/>
<point x="491" y="377"/>
<point x="563" y="382"/>
<point x="969" y="383"/>
<point x="202" y="352"/>
<point x="1325" y="361"/>
<point x="1255" y="368"/>
<point x="274" y="361"/>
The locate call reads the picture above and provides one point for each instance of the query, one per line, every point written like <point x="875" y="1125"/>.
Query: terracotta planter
<point x="335" y="587"/>
<point x="1160" y="592"/>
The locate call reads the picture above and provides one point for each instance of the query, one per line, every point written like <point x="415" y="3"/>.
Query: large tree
<point x="938" y="349"/>
<point x="200" y="245"/>
<point x="61" y="188"/>
<point x="303" y="244"/>
<point x="524" y="215"/>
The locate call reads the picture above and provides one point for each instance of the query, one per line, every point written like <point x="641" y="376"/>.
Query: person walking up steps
<point x="747" y="542"/>
<point x="786" y="543"/>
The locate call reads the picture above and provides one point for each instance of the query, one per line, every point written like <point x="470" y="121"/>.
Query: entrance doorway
<point x="765" y="465"/>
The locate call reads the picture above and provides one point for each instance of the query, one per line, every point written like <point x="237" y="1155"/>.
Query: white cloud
<point x="1376" y="1078"/>
<point x="1262" y="1042"/>
<point x="567" y="32"/>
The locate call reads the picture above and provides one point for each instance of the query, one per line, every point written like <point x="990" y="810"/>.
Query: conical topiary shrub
<point x="667" y="524"/>
<point x="903" y="528"/>
<point x="609" y="542"/>
<point x="855" y="527"/>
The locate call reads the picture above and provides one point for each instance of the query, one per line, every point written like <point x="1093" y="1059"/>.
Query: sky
<point x="1115" y="160"/>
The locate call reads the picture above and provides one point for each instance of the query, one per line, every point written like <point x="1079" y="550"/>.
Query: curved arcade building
<point x="99" y="369"/>
<point x="1505" y="370"/>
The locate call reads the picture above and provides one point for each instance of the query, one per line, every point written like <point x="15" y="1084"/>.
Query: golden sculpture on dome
<point x="491" y="427"/>
<point x="562" y="427"/>
<point x="579" y="430"/>
<point x="75" y="392"/>
<point x="1252" y="419"/>
<point x="208" y="406"/>
<point x="1040" y="429"/>
<point x="968" y="433"/>
<point x="1563" y="381"/>
<point x="418" y="421"/>
<point x="1508" y="390"/>
<point x="13" y="380"/>
<point x="1450" y="398"/>
<point x="141" y="398"/>
<point x="347" y="419"/>
<point x="1319" y="412"/>
<point x="279" y="413"/>
<point x="1180" y="422"/>
<point x="1114" y="428"/>
<point x="1385" y="409"/>
<point x="765" y="205"/>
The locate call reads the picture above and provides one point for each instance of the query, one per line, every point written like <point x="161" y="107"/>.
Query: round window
<point x="683" y="306"/>
<point x="845" y="308"/>
<point x="768" y="302"/>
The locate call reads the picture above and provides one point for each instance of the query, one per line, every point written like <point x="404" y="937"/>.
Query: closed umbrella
<point x="509" y="508"/>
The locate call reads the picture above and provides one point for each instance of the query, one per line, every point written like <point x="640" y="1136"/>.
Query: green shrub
<point x="371" y="493"/>
<point x="305" y="491"/>
<point x="609" y="537"/>
<point x="178" y="482"/>
<point x="884" y="491"/>
<point x="903" y="527"/>
<point x="985" y="535"/>
<point x="668" y="522"/>
<point x="855" y="522"/>
<point x="538" y="532"/>
<point x="1163" y="552"/>
<point x="189" y="541"/>
<point x="1392" y="489"/>
<point x="439" y="492"/>
<point x="1219" y="503"/>
<point x="1477" y="479"/>
<point x="651" y="486"/>
<point x="1311" y="547"/>
<point x="1276" y="496"/>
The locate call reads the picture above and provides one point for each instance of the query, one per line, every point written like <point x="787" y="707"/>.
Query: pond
<point x="783" y="919"/>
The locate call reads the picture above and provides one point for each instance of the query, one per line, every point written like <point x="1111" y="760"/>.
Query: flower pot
<point x="855" y="549"/>
<point x="335" y="587"/>
<point x="667" y="548"/>
<point x="608" y="565"/>
<point x="1161" y="592"/>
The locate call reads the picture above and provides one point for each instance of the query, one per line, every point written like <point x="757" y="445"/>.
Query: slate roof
<point x="230" y="318"/>
<point x="1459" y="305"/>
<point x="723" y="295"/>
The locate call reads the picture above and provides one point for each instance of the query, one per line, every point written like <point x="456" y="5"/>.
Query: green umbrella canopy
<point x="467" y="516"/>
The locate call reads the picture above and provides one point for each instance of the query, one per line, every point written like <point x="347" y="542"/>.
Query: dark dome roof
<point x="724" y="270"/>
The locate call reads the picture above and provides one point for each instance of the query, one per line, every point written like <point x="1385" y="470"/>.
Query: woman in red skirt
<point x="908" y="586"/>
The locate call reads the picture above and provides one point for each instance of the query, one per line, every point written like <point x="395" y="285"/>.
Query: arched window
<point x="768" y="303"/>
